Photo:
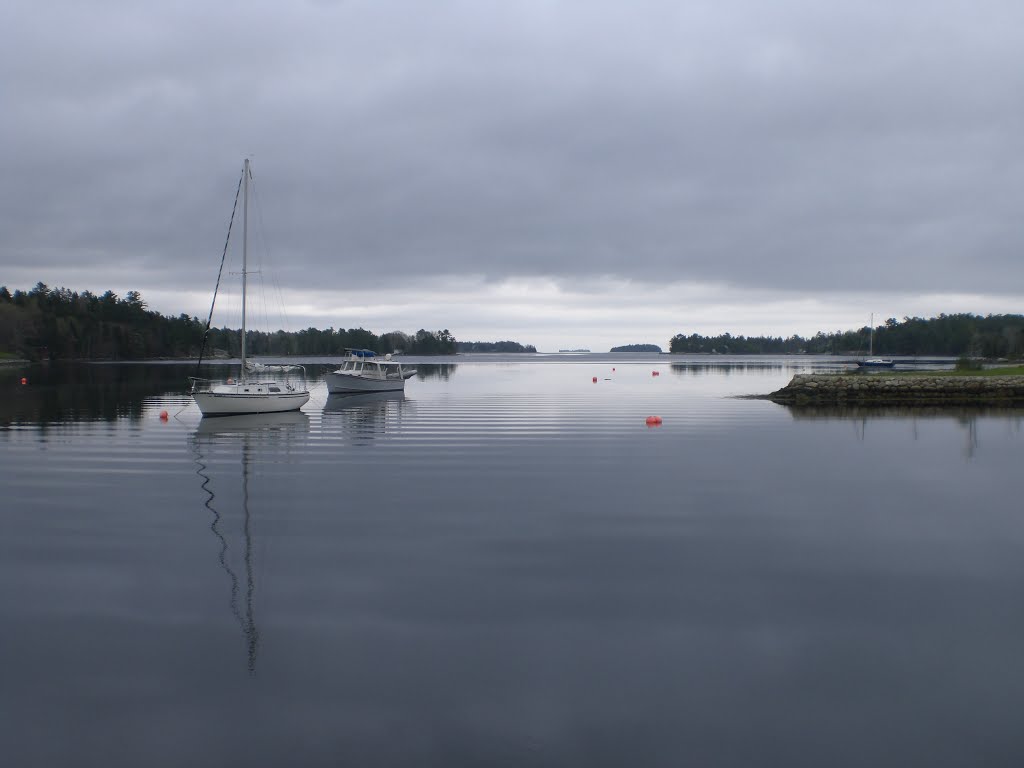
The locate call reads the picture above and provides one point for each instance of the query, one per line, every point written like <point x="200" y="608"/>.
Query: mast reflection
<point x="228" y="433"/>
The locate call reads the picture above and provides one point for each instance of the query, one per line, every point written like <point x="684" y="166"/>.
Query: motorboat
<point x="366" y="371"/>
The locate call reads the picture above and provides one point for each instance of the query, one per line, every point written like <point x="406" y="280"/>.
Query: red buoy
<point x="163" y="415"/>
<point x="655" y="373"/>
<point x="595" y="379"/>
<point x="654" y="421"/>
<point x="24" y="380"/>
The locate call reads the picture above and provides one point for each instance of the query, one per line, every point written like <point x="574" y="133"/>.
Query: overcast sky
<point x="558" y="172"/>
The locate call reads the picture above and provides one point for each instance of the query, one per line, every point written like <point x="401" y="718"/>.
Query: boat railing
<point x="199" y="384"/>
<point x="265" y="368"/>
<point x="259" y="376"/>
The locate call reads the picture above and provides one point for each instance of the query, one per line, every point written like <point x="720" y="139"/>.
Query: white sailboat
<point x="251" y="392"/>
<point x="871" y="361"/>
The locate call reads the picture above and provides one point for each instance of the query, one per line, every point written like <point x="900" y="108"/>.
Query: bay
<point x="506" y="565"/>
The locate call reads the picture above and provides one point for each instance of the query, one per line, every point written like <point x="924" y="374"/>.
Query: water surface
<point x="507" y="566"/>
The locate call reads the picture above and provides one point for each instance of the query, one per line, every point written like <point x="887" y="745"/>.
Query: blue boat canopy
<point x="362" y="352"/>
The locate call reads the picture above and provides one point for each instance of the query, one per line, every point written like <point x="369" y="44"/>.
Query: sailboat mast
<point x="245" y="252"/>
<point x="871" y="333"/>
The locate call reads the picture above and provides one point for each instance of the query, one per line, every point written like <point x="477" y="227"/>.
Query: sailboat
<point x="871" y="361"/>
<point x="251" y="392"/>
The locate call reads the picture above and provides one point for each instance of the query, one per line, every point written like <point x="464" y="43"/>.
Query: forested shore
<point x="59" y="324"/>
<point x="989" y="336"/>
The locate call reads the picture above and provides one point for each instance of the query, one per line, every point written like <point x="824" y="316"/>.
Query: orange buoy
<point x="654" y="421"/>
<point x="595" y="379"/>
<point x="24" y="380"/>
<point x="163" y="415"/>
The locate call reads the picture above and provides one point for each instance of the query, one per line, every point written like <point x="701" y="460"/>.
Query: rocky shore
<point x="885" y="389"/>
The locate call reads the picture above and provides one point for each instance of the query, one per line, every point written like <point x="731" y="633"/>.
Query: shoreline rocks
<point x="884" y="389"/>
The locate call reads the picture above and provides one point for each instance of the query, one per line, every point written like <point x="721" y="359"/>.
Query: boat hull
<point x="342" y="383"/>
<point x="876" y="363"/>
<point x="238" y="403"/>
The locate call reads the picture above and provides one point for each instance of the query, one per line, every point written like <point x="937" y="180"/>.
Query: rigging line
<point x="220" y="271"/>
<point x="258" y="309"/>
<point x="282" y="307"/>
<point x="258" y="205"/>
<point x="285" y="320"/>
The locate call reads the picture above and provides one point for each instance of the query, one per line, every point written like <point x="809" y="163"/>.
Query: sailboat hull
<point x="236" y="403"/>
<point x="876" y="363"/>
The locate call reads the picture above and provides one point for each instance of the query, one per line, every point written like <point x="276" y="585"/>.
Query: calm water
<point x="506" y="567"/>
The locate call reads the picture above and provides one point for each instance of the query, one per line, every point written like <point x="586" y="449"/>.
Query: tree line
<point x="494" y="346"/>
<point x="59" y="324"/>
<point x="991" y="336"/>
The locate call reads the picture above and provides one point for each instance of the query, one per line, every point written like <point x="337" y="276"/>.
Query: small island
<point x="637" y="348"/>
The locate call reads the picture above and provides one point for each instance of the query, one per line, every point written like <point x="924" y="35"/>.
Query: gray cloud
<point x="787" y="145"/>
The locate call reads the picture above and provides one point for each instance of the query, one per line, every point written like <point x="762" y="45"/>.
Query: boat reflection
<point x="366" y="416"/>
<point x="223" y="449"/>
<point x="361" y="402"/>
<point x="266" y="424"/>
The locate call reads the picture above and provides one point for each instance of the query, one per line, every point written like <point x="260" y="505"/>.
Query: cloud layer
<point x="787" y="147"/>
